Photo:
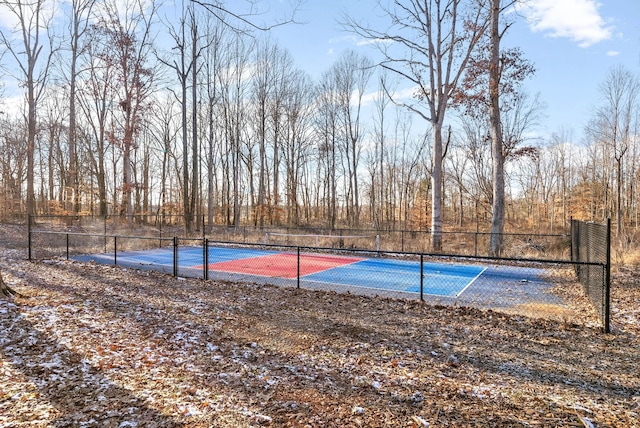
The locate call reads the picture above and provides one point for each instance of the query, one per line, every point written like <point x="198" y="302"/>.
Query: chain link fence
<point x="591" y="252"/>
<point x="534" y="271"/>
<point x="474" y="243"/>
<point x="531" y="287"/>
<point x="467" y="243"/>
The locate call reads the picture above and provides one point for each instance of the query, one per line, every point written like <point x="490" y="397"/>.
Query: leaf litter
<point x="100" y="346"/>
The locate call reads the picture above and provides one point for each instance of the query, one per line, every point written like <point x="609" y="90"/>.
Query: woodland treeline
<point x="125" y="112"/>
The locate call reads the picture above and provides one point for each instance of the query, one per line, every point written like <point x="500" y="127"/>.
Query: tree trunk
<point x="497" y="220"/>
<point x="186" y="200"/>
<point x="195" y="151"/>
<point x="31" y="144"/>
<point x="436" y="187"/>
<point x="74" y="181"/>
<point x="127" y="185"/>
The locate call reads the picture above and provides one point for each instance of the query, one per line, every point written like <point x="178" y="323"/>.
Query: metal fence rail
<point x="591" y="244"/>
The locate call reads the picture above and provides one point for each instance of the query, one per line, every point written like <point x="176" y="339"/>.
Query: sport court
<point x="371" y="274"/>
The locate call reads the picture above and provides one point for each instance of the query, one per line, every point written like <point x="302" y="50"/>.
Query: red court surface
<point x="284" y="265"/>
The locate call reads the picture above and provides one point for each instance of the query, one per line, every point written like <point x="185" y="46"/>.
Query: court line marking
<point x="472" y="281"/>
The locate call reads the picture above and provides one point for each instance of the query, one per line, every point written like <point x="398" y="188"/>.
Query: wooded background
<point x="127" y="113"/>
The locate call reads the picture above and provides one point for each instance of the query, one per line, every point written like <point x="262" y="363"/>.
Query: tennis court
<point x="331" y="271"/>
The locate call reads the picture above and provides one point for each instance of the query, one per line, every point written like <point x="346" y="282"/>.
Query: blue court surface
<point x="330" y="271"/>
<point x="396" y="275"/>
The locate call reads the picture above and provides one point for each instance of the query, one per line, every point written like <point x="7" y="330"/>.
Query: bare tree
<point x="282" y="86"/>
<point x="243" y="18"/>
<point x="211" y="61"/>
<point x="186" y="39"/>
<point x="296" y="137"/>
<point x="497" y="153"/>
<point x="164" y="131"/>
<point x="615" y="123"/>
<point x="458" y="165"/>
<point x="352" y="72"/>
<point x="78" y="27"/>
<point x="95" y="98"/>
<point x="33" y="59"/>
<point x="429" y="44"/>
<point x="128" y="32"/>
<point x="12" y="164"/>
<point x="327" y="128"/>
<point x="262" y="92"/>
<point x="378" y="199"/>
<point x="565" y="161"/>
<point x="53" y="157"/>
<point x="233" y="91"/>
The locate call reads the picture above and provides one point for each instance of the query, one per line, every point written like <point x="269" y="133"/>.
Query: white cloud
<point x="578" y="20"/>
<point x="406" y="93"/>
<point x="349" y="38"/>
<point x="12" y="106"/>
<point x="10" y="11"/>
<point x="368" y="98"/>
<point x="613" y="53"/>
<point x="7" y="19"/>
<point x="366" y="42"/>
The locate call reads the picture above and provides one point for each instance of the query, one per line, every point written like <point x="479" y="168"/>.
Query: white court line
<point x="471" y="282"/>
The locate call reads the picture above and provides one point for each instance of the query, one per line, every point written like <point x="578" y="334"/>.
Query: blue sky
<point x="573" y="44"/>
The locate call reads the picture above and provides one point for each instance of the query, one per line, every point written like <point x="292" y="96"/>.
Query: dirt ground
<point x="93" y="345"/>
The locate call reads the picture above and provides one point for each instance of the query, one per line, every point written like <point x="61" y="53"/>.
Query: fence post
<point x="607" y="281"/>
<point x="475" y="244"/>
<point x="298" y="286"/>
<point x="104" y="232"/>
<point x="29" y="233"/>
<point x="422" y="277"/>
<point x="67" y="246"/>
<point x="205" y="257"/>
<point x="175" y="256"/>
<point x="571" y="257"/>
<point x="115" y="250"/>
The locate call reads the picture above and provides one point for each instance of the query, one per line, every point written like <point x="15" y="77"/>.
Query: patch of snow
<point x="262" y="419"/>
<point x="420" y="422"/>
<point x="357" y="410"/>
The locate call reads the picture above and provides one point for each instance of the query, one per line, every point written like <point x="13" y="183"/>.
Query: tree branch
<point x="222" y="13"/>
